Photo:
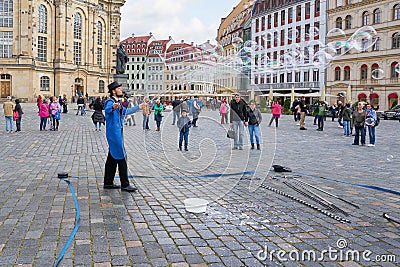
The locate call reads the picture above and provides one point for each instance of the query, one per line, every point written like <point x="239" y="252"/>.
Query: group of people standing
<point x="12" y="113"/>
<point x="49" y="110"/>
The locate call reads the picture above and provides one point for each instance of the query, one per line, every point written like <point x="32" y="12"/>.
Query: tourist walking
<point x="146" y="111"/>
<point x="294" y="109"/>
<point x="65" y="104"/>
<point x="81" y="105"/>
<point x="8" y="108"/>
<point x="184" y="124"/>
<point x="176" y="109"/>
<point x="370" y="121"/>
<point x="346" y="119"/>
<point x="276" y="113"/>
<point x="158" y="115"/>
<point x="223" y="111"/>
<point x="97" y="116"/>
<point x="18" y="119"/>
<point x="114" y="114"/>
<point x="254" y="119"/>
<point x="43" y="114"/>
<point x="322" y="109"/>
<point x="238" y="118"/>
<point x="39" y="101"/>
<point x="302" y="106"/>
<point x="358" y="122"/>
<point x="55" y="110"/>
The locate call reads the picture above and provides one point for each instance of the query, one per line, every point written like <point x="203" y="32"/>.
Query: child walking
<point x="184" y="124"/>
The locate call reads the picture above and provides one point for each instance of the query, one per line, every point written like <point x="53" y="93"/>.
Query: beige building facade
<point x="373" y="71"/>
<point x="58" y="47"/>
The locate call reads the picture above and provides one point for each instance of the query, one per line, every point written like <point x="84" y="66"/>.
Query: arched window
<point x="44" y="83"/>
<point x="347" y="23"/>
<point x="396" y="40"/>
<point x="394" y="70"/>
<point x="364" y="72"/>
<point x="377" y="16"/>
<point x="42" y="19"/>
<point x="339" y="23"/>
<point x="346" y="73"/>
<point x="396" y="12"/>
<point x="365" y="17"/>
<point x="337" y="73"/>
<point x="77" y="26"/>
<point x="101" y="86"/>
<point x="375" y="71"/>
<point x="99" y="33"/>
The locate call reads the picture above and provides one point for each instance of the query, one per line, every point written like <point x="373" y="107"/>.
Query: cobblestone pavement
<point x="244" y="224"/>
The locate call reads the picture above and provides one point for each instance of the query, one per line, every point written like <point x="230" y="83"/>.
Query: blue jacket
<point x="114" y="126"/>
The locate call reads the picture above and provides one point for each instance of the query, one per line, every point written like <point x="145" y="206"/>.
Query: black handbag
<point x="231" y="133"/>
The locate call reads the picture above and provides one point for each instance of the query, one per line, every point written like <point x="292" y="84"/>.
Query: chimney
<point x="133" y="35"/>
<point x="192" y="43"/>
<point x="208" y="41"/>
<point x="170" y="37"/>
<point x="182" y="41"/>
<point x="151" y="34"/>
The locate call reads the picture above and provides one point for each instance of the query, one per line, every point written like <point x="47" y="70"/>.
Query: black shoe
<point x="252" y="146"/>
<point x="258" y="147"/>
<point x="129" y="188"/>
<point x="302" y="128"/>
<point x="111" y="186"/>
<point x="180" y="148"/>
<point x="319" y="129"/>
<point x="186" y="149"/>
<point x="354" y="144"/>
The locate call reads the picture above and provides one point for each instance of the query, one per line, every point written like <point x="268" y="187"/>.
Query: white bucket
<point x="196" y="205"/>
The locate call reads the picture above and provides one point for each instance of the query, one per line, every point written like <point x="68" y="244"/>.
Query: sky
<point x="189" y="20"/>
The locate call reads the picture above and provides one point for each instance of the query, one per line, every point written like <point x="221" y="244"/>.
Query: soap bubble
<point x="336" y="32"/>
<point x="377" y="74"/>
<point x="363" y="38"/>
<point x="237" y="42"/>
<point x="292" y="34"/>
<point x="389" y="158"/>
<point x="322" y="59"/>
<point x="314" y="32"/>
<point x="219" y="50"/>
<point x="397" y="68"/>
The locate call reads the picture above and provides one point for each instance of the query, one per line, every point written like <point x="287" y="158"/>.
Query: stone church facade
<point x="56" y="47"/>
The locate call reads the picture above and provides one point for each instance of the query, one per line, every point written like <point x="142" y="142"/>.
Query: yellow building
<point x="372" y="72"/>
<point x="58" y="47"/>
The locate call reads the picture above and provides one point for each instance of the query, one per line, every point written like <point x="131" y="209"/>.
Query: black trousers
<point x="111" y="168"/>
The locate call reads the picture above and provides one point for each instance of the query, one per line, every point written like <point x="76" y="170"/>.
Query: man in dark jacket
<point x="303" y="112"/>
<point x="238" y="117"/>
<point x="176" y="109"/>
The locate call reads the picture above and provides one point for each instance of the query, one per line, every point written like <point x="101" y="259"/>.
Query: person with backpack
<point x="370" y="122"/>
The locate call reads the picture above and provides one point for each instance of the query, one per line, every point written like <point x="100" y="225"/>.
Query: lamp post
<point x="371" y="90"/>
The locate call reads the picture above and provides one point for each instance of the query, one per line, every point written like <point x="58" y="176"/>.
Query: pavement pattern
<point x="247" y="223"/>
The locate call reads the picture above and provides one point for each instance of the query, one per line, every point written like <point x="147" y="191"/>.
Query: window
<point x="77" y="53"/>
<point x="396" y="40"/>
<point x="377" y="44"/>
<point x="276" y="19"/>
<point x="364" y="72"/>
<point x="394" y="70"/>
<point x="346" y="73"/>
<point x="283" y="17"/>
<point x="306" y="76"/>
<point x="317" y="7"/>
<point x="365" y="16"/>
<point x="100" y="56"/>
<point x="42" y="19"/>
<point x="6" y="13"/>
<point x="269" y="21"/>
<point x="308" y="10"/>
<point x="257" y="25"/>
<point x="99" y="33"/>
<point x="349" y="2"/>
<point x="298" y="13"/>
<point x="77" y="26"/>
<point x="263" y="23"/>
<point x="339" y="23"/>
<point x="290" y="14"/>
<point x="44" y="83"/>
<point x="42" y="48"/>
<point x="101" y="86"/>
<point x="396" y="12"/>
<point x="375" y="71"/>
<point x="297" y="76"/>
<point x="377" y="16"/>
<point x="347" y="23"/>
<point x="337" y="73"/>
<point x="289" y="77"/>
<point x="315" y="75"/>
<point x="6" y="42"/>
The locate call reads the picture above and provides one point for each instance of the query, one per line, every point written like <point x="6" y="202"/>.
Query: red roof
<point x="180" y="52"/>
<point x="157" y="47"/>
<point x="136" y="45"/>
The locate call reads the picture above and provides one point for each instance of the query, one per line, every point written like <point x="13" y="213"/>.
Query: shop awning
<point x="393" y="95"/>
<point x="374" y="95"/>
<point x="362" y="96"/>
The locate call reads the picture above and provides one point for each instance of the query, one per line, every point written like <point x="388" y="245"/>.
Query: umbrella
<point x="323" y="93"/>
<point x="271" y="94"/>
<point x="348" y="94"/>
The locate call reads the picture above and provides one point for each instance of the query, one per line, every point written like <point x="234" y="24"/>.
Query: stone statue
<point x="122" y="58"/>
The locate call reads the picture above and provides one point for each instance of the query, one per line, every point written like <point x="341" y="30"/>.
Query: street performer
<point x="115" y="113"/>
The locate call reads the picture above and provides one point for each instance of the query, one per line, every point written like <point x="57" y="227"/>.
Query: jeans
<point x="359" y="130"/>
<point x="371" y="133"/>
<point x="340" y="121"/>
<point x="183" y="136"/>
<point x="98" y="125"/>
<point x="55" y="123"/>
<point x="43" y="123"/>
<point x="346" y="127"/>
<point x="81" y="107"/>
<point x="238" y="127"/>
<point x="176" y="116"/>
<point x="321" y="122"/>
<point x="9" y="123"/>
<point x="254" y="130"/>
<point x="145" y="122"/>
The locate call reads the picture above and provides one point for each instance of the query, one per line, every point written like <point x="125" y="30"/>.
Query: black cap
<point x="113" y="86"/>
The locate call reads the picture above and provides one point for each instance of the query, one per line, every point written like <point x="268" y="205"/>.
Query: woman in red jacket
<point x="276" y="113"/>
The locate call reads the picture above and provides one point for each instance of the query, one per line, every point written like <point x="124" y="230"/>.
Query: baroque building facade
<point x="373" y="73"/>
<point x="58" y="47"/>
